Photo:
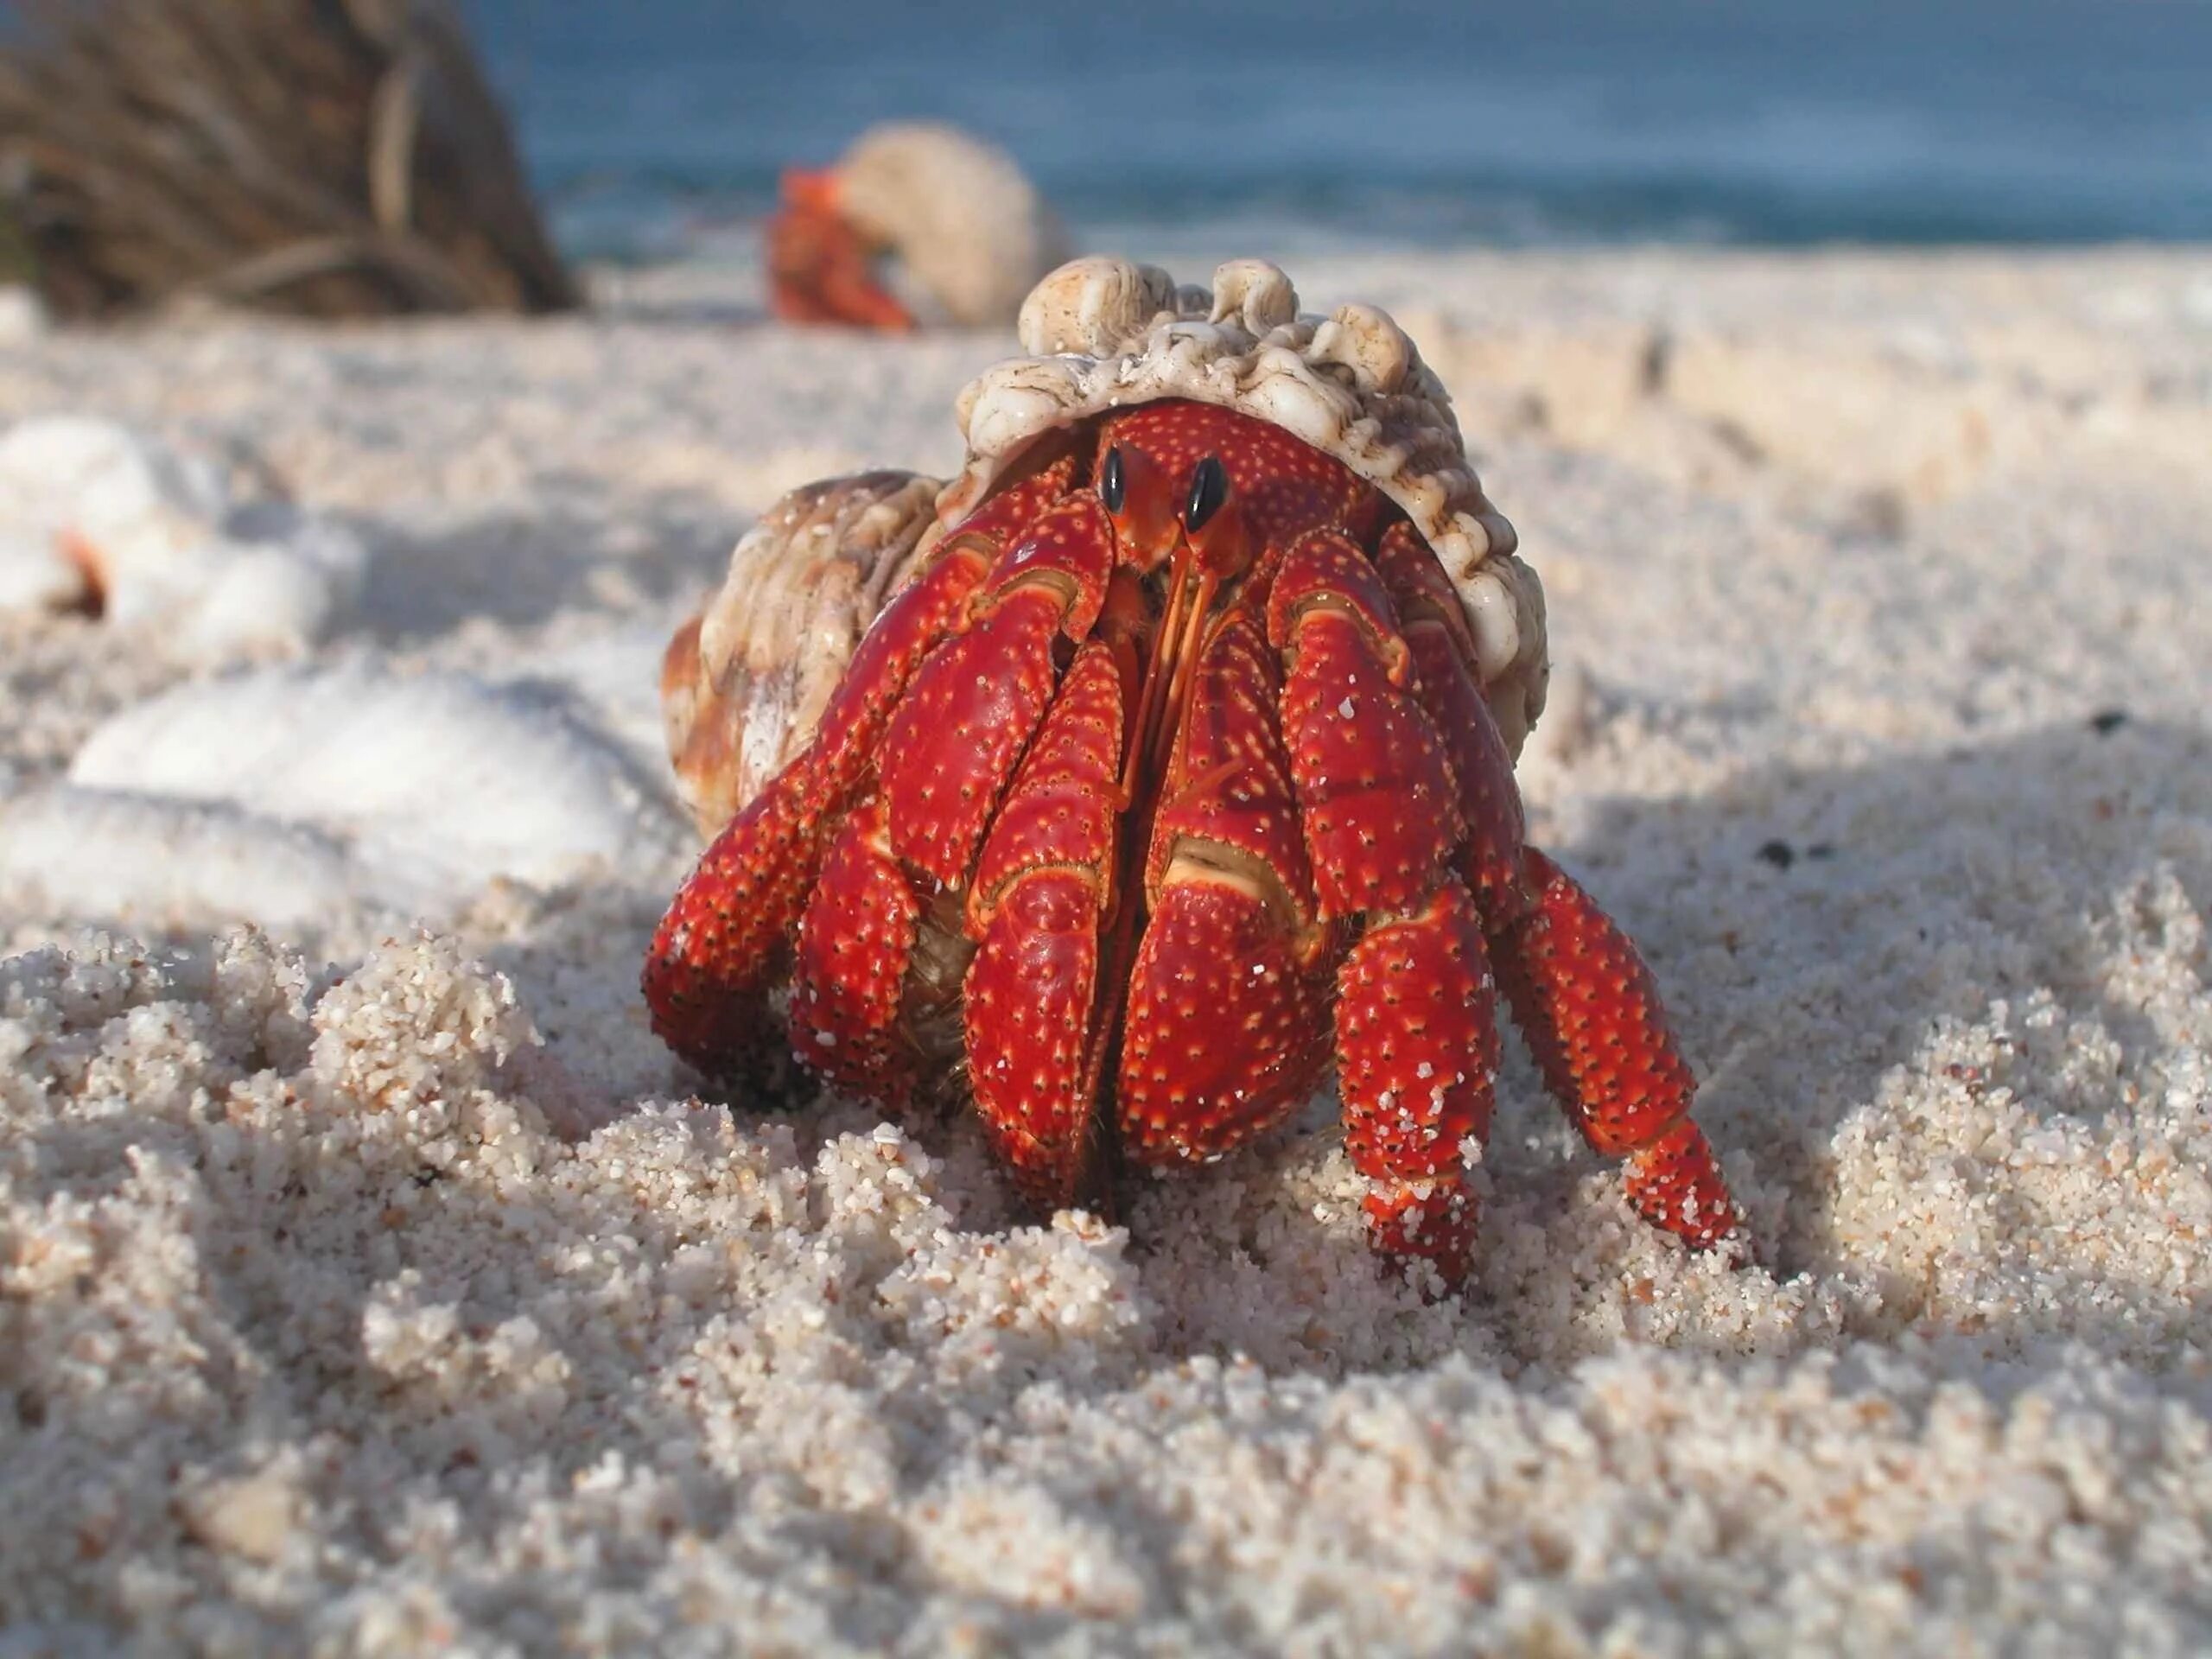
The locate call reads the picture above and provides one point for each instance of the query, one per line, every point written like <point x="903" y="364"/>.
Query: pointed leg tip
<point x="1424" y="1222"/>
<point x="1676" y="1184"/>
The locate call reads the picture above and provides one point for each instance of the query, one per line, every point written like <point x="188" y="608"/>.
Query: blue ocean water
<point x="654" y="126"/>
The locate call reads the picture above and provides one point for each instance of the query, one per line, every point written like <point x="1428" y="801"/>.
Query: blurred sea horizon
<point x="656" y="129"/>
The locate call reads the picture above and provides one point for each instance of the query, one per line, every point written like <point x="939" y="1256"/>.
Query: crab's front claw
<point x="820" y="267"/>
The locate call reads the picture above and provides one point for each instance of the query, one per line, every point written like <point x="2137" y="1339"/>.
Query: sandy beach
<point x="373" y="1282"/>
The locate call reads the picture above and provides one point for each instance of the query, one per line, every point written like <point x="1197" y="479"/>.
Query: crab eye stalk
<point x="1209" y="489"/>
<point x="1113" y="480"/>
<point x="1140" y="496"/>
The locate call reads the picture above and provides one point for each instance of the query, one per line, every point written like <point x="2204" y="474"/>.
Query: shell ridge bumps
<point x="1102" y="334"/>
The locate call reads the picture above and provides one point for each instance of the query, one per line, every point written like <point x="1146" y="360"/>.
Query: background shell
<point x="971" y="228"/>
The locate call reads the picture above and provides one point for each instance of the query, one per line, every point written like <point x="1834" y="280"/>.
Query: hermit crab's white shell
<point x="1104" y="334"/>
<point x="744" y="681"/>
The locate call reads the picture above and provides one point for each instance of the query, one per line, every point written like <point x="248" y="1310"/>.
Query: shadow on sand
<point x="519" y="570"/>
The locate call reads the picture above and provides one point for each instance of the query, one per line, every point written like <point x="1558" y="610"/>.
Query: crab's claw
<point x="820" y="267"/>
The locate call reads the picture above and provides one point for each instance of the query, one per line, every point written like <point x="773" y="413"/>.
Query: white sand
<point x="409" y="1303"/>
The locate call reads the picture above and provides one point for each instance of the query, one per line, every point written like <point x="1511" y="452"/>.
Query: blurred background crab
<point x="917" y="222"/>
<point x="1178" y="757"/>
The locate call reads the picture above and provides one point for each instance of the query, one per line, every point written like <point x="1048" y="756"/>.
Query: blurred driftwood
<point x="328" y="157"/>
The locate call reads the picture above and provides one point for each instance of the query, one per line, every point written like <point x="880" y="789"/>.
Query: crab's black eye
<point x="1113" y="483"/>
<point x="1209" y="489"/>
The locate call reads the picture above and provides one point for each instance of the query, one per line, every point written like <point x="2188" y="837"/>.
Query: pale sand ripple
<point x="389" y="1297"/>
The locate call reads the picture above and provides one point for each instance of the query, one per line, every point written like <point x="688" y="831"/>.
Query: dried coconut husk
<point x="325" y="157"/>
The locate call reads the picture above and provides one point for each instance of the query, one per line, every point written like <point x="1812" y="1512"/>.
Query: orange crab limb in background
<point x="1176" y="776"/>
<point x="820" y="267"/>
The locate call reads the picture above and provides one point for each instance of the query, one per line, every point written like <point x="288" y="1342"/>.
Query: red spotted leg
<point x="726" y="935"/>
<point x="946" y="757"/>
<point x="1416" y="1031"/>
<point x="854" y="941"/>
<point x="1435" y="628"/>
<point x="959" y="818"/>
<point x="1043" y="889"/>
<point x="1578" y="991"/>
<point x="1588" y="1005"/>
<point x="1226" y="1025"/>
<point x="951" y="748"/>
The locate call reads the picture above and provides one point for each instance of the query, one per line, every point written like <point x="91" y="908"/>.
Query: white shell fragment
<point x="744" y="681"/>
<point x="286" y="796"/>
<point x="1117" y="299"/>
<point x="96" y="516"/>
<point x="1104" y="334"/>
<point x="22" y="318"/>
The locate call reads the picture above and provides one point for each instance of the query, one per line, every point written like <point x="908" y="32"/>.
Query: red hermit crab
<point x="966" y="231"/>
<point x="1180" y="757"/>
